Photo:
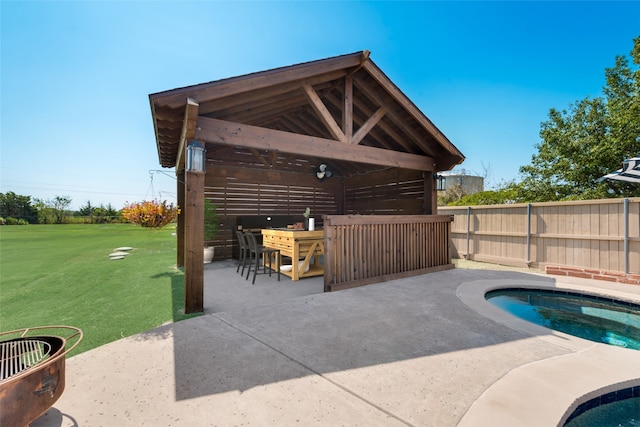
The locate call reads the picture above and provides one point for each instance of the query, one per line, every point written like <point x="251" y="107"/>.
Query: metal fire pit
<point x="32" y="362"/>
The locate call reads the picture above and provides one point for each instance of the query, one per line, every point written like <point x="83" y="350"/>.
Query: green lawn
<point x="62" y="275"/>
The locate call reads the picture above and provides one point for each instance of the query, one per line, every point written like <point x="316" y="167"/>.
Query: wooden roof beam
<point x="409" y="106"/>
<point x="418" y="139"/>
<point x="401" y="140"/>
<point x="251" y="82"/>
<point x="228" y="133"/>
<point x="257" y="116"/>
<point x="266" y="96"/>
<point x="169" y="124"/>
<point x="298" y="124"/>
<point x="164" y="113"/>
<point x="274" y="103"/>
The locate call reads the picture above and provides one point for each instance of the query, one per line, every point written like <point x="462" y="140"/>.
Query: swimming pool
<point x="591" y="317"/>
<point x="615" y="409"/>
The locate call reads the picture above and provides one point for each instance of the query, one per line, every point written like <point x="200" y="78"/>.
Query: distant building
<point x="470" y="184"/>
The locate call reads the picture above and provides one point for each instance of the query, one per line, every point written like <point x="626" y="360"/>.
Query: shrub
<point x="153" y="214"/>
<point x="211" y="221"/>
<point x="2" y="221"/>
<point x="15" y="221"/>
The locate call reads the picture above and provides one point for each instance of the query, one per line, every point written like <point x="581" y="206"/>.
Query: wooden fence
<point x="364" y="249"/>
<point x="599" y="235"/>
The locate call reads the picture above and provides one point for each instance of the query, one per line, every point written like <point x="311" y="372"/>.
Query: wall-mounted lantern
<point x="195" y="157"/>
<point x="440" y="181"/>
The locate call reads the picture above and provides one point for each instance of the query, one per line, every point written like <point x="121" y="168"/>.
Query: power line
<point x="64" y="190"/>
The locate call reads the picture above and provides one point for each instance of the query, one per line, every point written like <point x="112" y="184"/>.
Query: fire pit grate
<point x="16" y="356"/>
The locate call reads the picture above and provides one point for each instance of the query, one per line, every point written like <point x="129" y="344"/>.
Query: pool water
<point x="586" y="316"/>
<point x="615" y="409"/>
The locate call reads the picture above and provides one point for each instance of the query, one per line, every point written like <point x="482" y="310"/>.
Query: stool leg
<point x="249" y="266"/>
<point x="255" y="270"/>
<point x="244" y="261"/>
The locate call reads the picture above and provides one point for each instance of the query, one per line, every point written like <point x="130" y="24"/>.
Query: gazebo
<point x="268" y="135"/>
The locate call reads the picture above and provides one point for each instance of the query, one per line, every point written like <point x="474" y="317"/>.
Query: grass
<point x="62" y="275"/>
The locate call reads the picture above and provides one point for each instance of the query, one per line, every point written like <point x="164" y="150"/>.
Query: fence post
<point x="626" y="235"/>
<point x="528" y="235"/>
<point x="468" y="230"/>
<point x="329" y="252"/>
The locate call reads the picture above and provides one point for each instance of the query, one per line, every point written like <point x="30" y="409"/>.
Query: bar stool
<point x="259" y="251"/>
<point x="244" y="251"/>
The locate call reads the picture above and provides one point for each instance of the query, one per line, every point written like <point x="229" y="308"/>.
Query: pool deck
<point x="420" y="351"/>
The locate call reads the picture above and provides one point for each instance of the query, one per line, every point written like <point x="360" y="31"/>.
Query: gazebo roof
<point x="344" y="109"/>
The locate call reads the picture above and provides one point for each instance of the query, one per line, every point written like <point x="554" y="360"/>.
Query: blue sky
<point x="75" y="76"/>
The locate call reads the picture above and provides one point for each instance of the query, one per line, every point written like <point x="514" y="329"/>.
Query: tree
<point x="87" y="211"/>
<point x="504" y="194"/>
<point x="111" y="213"/>
<point x="52" y="211"/>
<point x="589" y="140"/>
<point x="59" y="204"/>
<point x="13" y="205"/>
<point x="103" y="215"/>
<point x="98" y="214"/>
<point x="451" y="195"/>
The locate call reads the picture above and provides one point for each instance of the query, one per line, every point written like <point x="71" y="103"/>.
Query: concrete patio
<point x="421" y="351"/>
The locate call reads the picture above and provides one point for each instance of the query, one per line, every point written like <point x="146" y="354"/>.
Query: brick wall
<point x="587" y="273"/>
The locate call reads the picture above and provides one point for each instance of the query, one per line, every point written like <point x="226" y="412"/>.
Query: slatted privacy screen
<point x="364" y="249"/>
<point x="240" y="192"/>
<point x="386" y="193"/>
<point x="257" y="199"/>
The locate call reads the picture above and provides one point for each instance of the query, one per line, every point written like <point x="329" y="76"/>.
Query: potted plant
<point x="211" y="224"/>
<point x="306" y="214"/>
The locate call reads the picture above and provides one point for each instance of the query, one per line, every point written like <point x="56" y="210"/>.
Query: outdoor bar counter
<point x="305" y="246"/>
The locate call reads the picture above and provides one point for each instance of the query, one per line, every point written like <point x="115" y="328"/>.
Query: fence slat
<point x="364" y="249"/>
<point x="584" y="234"/>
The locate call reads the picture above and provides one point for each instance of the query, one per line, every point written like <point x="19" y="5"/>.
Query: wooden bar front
<point x="301" y="246"/>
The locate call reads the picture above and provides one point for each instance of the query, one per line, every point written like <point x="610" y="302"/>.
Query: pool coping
<point x="556" y="386"/>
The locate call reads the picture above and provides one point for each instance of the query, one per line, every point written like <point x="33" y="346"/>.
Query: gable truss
<point x="317" y="109"/>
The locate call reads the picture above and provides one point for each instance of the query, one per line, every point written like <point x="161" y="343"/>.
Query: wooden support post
<point x="430" y="195"/>
<point x="180" y="184"/>
<point x="434" y="201"/>
<point x="347" y="108"/>
<point x="194" y="242"/>
<point x="188" y="129"/>
<point x="341" y="198"/>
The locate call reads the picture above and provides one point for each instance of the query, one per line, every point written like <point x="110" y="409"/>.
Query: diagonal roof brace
<point x="324" y="113"/>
